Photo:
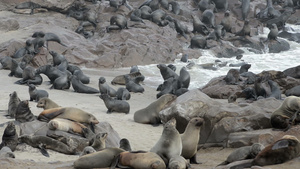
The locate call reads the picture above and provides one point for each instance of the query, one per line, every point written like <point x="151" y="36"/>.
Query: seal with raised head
<point x="132" y="86"/>
<point x="27" y="74"/>
<point x="279" y="152"/>
<point x="106" y="155"/>
<point x="227" y="21"/>
<point x="15" y="69"/>
<point x="104" y="88"/>
<point x="46" y="103"/>
<point x="82" y="77"/>
<point x="70" y="113"/>
<point x="66" y="125"/>
<point x="273" y="32"/>
<point x="275" y="89"/>
<point x="49" y="37"/>
<point x="123" y="94"/>
<point x="51" y="72"/>
<point x="10" y="137"/>
<point x="150" y="114"/>
<point x="184" y="78"/>
<point x="23" y="113"/>
<point x="139" y="159"/>
<point x="13" y="103"/>
<point x="208" y="17"/>
<point x="99" y="141"/>
<point x="113" y="105"/>
<point x="244" y="68"/>
<point x="243" y="153"/>
<point x="190" y="139"/>
<point x="166" y="72"/>
<point x="246" y="30"/>
<point x="125" y="145"/>
<point x="35" y="94"/>
<point x="57" y="58"/>
<point x="287" y="114"/>
<point x="169" y="144"/>
<point x="232" y="77"/>
<point x="79" y="87"/>
<point x="178" y="162"/>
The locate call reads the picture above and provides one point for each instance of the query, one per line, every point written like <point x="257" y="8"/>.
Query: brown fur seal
<point x="117" y="22"/>
<point x="35" y="94"/>
<point x="287" y="114"/>
<point x="66" y="125"/>
<point x="169" y="144"/>
<point x="15" y="69"/>
<point x="132" y="86"/>
<point x="10" y="137"/>
<point x="243" y="153"/>
<point x="190" y="139"/>
<point x="46" y="103"/>
<point x="104" y="88"/>
<point x="208" y="17"/>
<point x="273" y="32"/>
<point x="125" y="145"/>
<point x="57" y="58"/>
<point x="227" y="21"/>
<point x="166" y="72"/>
<point x="149" y="115"/>
<point x="121" y="79"/>
<point x="114" y="105"/>
<point x="139" y="159"/>
<point x="178" y="162"/>
<point x="279" y="152"/>
<point x="51" y="72"/>
<point x="198" y="26"/>
<point x="92" y="160"/>
<point x="246" y="30"/>
<point x="232" y="76"/>
<point x="23" y="113"/>
<point x="70" y="113"/>
<point x="99" y="141"/>
<point x="123" y="94"/>
<point x="79" y="87"/>
<point x="13" y="103"/>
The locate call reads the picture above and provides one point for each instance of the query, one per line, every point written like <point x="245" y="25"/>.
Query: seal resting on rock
<point x="150" y="114"/>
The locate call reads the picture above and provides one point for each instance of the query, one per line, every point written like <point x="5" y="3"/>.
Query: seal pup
<point x="28" y="5"/>
<point x="82" y="77"/>
<point x="190" y="138"/>
<point x="57" y="58"/>
<point x="125" y="145"/>
<point x="244" y="68"/>
<point x="178" y="162"/>
<point x="243" y="153"/>
<point x="275" y="89"/>
<point x="136" y="16"/>
<point x="119" y="20"/>
<point x="287" y="114"/>
<point x="23" y="113"/>
<point x="6" y="62"/>
<point x="10" y="137"/>
<point x="150" y="114"/>
<point x="6" y="152"/>
<point x="166" y="72"/>
<point x="46" y="103"/>
<point x="106" y="155"/>
<point x="13" y="103"/>
<point x="279" y="152"/>
<point x="123" y="94"/>
<point x="246" y="30"/>
<point x="208" y="17"/>
<point x="70" y="113"/>
<point x="216" y="34"/>
<point x="104" y="88"/>
<point x="259" y="87"/>
<point x="138" y="159"/>
<point x="87" y="150"/>
<point x="113" y="105"/>
<point x="169" y="144"/>
<point x="245" y="9"/>
<point x="51" y="72"/>
<point x="15" y="69"/>
<point x="35" y="94"/>
<point x="198" y="41"/>
<point x="27" y="75"/>
<point x="79" y="87"/>
<point x="146" y="12"/>
<point x="184" y="78"/>
<point x="99" y="141"/>
<point x="49" y="37"/>
<point x="227" y="21"/>
<point x="181" y="28"/>
<point x="66" y="125"/>
<point x="131" y="86"/>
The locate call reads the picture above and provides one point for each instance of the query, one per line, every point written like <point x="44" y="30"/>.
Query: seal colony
<point x="59" y="74"/>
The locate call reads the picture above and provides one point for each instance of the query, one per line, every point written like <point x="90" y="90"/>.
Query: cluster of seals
<point x="113" y="105"/>
<point x="10" y="137"/>
<point x="150" y="114"/>
<point x="169" y="144"/>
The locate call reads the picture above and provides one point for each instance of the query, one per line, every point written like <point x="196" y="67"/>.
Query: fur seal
<point x="166" y="72"/>
<point x="232" y="77"/>
<point x="216" y="34"/>
<point x="150" y="114"/>
<point x="125" y="145"/>
<point x="227" y="21"/>
<point x="119" y="20"/>
<point x="198" y="26"/>
<point x="244" y="68"/>
<point x="134" y="68"/>
<point x="178" y="162"/>
<point x="136" y="16"/>
<point x="113" y="105"/>
<point x="28" y="5"/>
<point x="10" y="137"/>
<point x="106" y="155"/>
<point x="158" y="16"/>
<point x="139" y="159"/>
<point x="6" y="152"/>
<point x="198" y="41"/>
<point x="181" y="28"/>
<point x="79" y="87"/>
<point x="13" y="103"/>
<point x="259" y="87"/>
<point x="57" y="58"/>
<point x="66" y="125"/>
<point x="273" y="33"/>
<point x="275" y="89"/>
<point x="175" y="7"/>
<point x="35" y="94"/>
<point x="63" y="82"/>
<point x="169" y="144"/>
<point x="246" y="30"/>
<point x="146" y="12"/>
<point x="15" y="69"/>
<point x="190" y="139"/>
<point x="208" y="17"/>
<point x="99" y="141"/>
<point x="245" y="9"/>
<point x="82" y="77"/>
<point x="19" y="53"/>
<point x="169" y="86"/>
<point x="49" y="37"/>
<point x="51" y="72"/>
<point x="6" y="62"/>
<point x="243" y="153"/>
<point x="87" y="150"/>
<point x="221" y="4"/>
<point x="132" y="86"/>
<point x="104" y="88"/>
<point x="295" y="91"/>
<point x="23" y="113"/>
<point x="123" y="94"/>
<point x="28" y="75"/>
<point x="287" y="114"/>
<point x="205" y="4"/>
<point x="279" y="152"/>
<point x="136" y="76"/>
<point x="184" y="58"/>
<point x="46" y="103"/>
<point x="70" y="113"/>
<point x="153" y="4"/>
<point x="184" y="78"/>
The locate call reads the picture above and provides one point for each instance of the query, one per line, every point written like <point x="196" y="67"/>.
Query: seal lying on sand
<point x="46" y="103"/>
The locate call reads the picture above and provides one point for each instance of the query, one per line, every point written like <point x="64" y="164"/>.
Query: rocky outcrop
<point x="221" y="119"/>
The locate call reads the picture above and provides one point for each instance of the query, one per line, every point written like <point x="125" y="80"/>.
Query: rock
<point x="290" y="36"/>
<point x="246" y="41"/>
<point x="293" y="72"/>
<point x="278" y="46"/>
<point x="221" y="118"/>
<point x="8" y="24"/>
<point x="226" y="50"/>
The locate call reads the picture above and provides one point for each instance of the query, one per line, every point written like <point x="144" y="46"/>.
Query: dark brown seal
<point x="113" y="105"/>
<point x="23" y="113"/>
<point x="10" y="137"/>
<point x="13" y="103"/>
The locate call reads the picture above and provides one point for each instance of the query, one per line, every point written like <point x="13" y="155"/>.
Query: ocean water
<point x="259" y="63"/>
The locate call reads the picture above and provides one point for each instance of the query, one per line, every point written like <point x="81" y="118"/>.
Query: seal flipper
<point x="49" y="114"/>
<point x="43" y="150"/>
<point x="115" y="162"/>
<point x="193" y="160"/>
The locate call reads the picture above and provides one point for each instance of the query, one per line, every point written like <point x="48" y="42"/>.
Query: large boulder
<point x="278" y="46"/>
<point x="221" y="118"/>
